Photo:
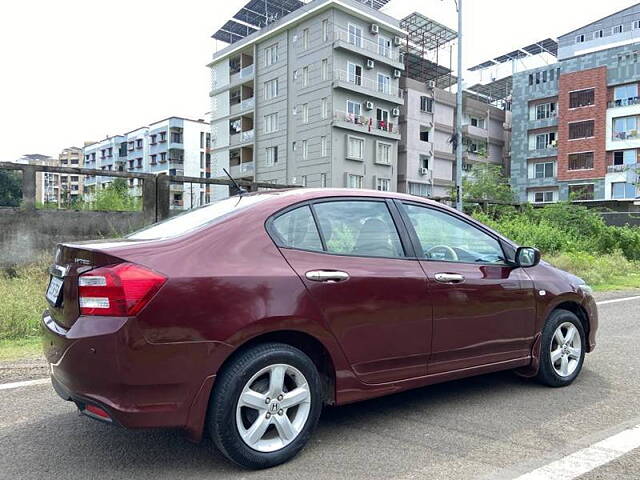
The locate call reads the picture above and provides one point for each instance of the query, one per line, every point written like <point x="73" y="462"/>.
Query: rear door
<point x="360" y="268"/>
<point x="483" y="306"/>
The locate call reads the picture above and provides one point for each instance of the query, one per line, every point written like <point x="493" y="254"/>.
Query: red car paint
<point x="389" y="328"/>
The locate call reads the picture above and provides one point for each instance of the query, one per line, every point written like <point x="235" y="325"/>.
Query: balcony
<point x="367" y="86"/>
<point x="242" y="75"/>
<point x="623" y="168"/>
<point x="241" y="137"/>
<point x="382" y="53"/>
<point x="624" y="102"/>
<point x="365" y="124"/>
<point x="242" y="170"/>
<point x="243" y="106"/>
<point x="475" y="132"/>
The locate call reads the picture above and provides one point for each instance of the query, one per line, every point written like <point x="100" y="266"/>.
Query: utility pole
<point x="459" y="113"/>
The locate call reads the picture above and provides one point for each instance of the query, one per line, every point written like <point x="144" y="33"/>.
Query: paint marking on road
<point x="26" y="383"/>
<point x="616" y="300"/>
<point x="589" y="458"/>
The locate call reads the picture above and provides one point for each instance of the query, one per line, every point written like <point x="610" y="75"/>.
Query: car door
<point x="361" y="271"/>
<point x="483" y="306"/>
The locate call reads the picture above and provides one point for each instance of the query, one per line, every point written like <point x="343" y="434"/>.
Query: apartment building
<point x="71" y="187"/>
<point x="174" y="146"/>
<point x="426" y="158"/>
<point x="312" y="98"/>
<point x="47" y="184"/>
<point x="575" y="122"/>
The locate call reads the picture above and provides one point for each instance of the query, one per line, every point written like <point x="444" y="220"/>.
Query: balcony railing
<point x="367" y="45"/>
<point x="369" y="124"/>
<point x="630" y="135"/>
<point x="624" y="102"/>
<point x="367" y="83"/>
<point x="623" y="168"/>
<point x="242" y="169"/>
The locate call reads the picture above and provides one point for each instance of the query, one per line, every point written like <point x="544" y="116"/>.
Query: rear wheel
<point x="562" y="349"/>
<point x="265" y="405"/>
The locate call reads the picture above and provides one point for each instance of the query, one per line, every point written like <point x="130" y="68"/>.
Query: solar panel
<point x="548" y="45"/>
<point x="233" y="31"/>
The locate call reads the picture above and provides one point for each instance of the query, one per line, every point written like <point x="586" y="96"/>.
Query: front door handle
<point x="330" y="276"/>
<point x="449" y="277"/>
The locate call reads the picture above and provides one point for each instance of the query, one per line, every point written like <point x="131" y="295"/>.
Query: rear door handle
<point x="330" y="276"/>
<point x="449" y="277"/>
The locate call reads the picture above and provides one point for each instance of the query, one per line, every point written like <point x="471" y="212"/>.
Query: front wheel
<point x="265" y="405"/>
<point x="562" y="349"/>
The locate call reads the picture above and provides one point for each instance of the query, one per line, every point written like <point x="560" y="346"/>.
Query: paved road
<point x="489" y="427"/>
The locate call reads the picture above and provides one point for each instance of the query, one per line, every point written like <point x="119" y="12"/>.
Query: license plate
<point x="55" y="287"/>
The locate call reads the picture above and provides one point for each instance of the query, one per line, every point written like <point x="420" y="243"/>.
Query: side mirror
<point x="527" y="257"/>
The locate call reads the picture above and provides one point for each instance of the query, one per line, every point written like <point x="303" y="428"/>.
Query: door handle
<point x="329" y="276"/>
<point x="449" y="277"/>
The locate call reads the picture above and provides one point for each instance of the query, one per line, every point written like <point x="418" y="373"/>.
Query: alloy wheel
<point x="566" y="349"/>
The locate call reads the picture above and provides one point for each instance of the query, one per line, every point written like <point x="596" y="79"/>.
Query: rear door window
<point x="297" y="229"/>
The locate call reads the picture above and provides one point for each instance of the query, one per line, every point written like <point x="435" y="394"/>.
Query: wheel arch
<point x="578" y="310"/>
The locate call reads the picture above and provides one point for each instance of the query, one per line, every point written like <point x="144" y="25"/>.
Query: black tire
<point x="229" y="384"/>
<point x="547" y="374"/>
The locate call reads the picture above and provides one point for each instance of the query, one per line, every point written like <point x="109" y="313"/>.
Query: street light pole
<point x="459" y="113"/>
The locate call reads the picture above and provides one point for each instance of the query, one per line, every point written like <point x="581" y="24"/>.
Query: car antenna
<point x="241" y="190"/>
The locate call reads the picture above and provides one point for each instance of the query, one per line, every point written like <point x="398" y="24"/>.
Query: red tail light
<point x="117" y="290"/>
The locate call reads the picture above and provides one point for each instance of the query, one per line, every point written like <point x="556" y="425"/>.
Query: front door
<point x="483" y="308"/>
<point x="373" y="297"/>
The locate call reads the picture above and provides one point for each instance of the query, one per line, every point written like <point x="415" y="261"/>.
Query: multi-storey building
<point x="175" y="146"/>
<point x="575" y="123"/>
<point x="71" y="187"/>
<point x="311" y="99"/>
<point x="426" y="159"/>
<point x="47" y="184"/>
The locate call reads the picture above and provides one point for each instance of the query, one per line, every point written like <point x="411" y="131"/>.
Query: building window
<point x="163" y="137"/>
<point x="271" y="123"/>
<point x="581" y="130"/>
<point x="303" y="180"/>
<point x="271" y="89"/>
<point x="138" y="163"/>
<point x="270" y="55"/>
<point x="305" y="149"/>
<point x="625" y="157"/>
<point x="545" y="140"/>
<point x="543" y="170"/>
<point x="581" y="98"/>
<point x="426" y="104"/>
<point x="383" y="184"/>
<point x="176" y="137"/>
<point x="355" y="148"/>
<point x="580" y="38"/>
<point x="384" y="83"/>
<point x="325" y="69"/>
<point x="545" y="110"/>
<point x="354" y="181"/>
<point x="323" y="146"/>
<point x="384" y="46"/>
<point x="424" y="161"/>
<point x="625" y="95"/>
<point x="305" y="113"/>
<point x="163" y="156"/>
<point x="384" y="153"/>
<point x="625" y="127"/>
<point x="154" y="159"/>
<point x="201" y="159"/>
<point x="305" y="39"/>
<point x="543" y="197"/>
<point x="323" y="180"/>
<point x="621" y="190"/>
<point x="636" y="24"/>
<point x="355" y="35"/>
<point x="353" y="108"/>
<point x="617" y="29"/>
<point x="419" y="189"/>
<point x="477" y="122"/>
<point x="271" y="157"/>
<point x="325" y="30"/>
<point x="581" y="161"/>
<point x="598" y="34"/>
<point x="324" y="107"/>
<point x="354" y="73"/>
<point x="584" y="191"/>
<point x="424" y="133"/>
<point x="305" y="76"/>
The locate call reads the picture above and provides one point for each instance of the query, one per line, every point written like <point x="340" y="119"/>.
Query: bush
<point x="598" y="269"/>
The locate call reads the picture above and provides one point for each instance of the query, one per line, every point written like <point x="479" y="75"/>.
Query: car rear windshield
<point x="197" y="218"/>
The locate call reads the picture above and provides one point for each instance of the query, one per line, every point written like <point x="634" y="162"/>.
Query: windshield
<point x="196" y="218"/>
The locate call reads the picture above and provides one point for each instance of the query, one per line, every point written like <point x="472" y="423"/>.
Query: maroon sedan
<point x="244" y="317"/>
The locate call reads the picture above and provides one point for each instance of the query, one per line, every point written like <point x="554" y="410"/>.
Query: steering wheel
<point x="449" y="253"/>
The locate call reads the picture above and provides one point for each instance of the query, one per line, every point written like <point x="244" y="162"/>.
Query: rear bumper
<point x="107" y="362"/>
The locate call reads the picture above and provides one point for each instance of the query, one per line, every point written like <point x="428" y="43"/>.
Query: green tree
<point x="487" y="182"/>
<point x="116" y="197"/>
<point x="10" y="188"/>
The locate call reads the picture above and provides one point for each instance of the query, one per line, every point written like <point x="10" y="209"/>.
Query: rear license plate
<point x="55" y="287"/>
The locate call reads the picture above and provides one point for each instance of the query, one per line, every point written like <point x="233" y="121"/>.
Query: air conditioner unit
<point x="395" y="112"/>
<point x="373" y="28"/>
<point x="397" y="41"/>
<point x="370" y="63"/>
<point x="397" y="73"/>
<point x="431" y="84"/>
<point x="423" y="171"/>
<point x="368" y="105"/>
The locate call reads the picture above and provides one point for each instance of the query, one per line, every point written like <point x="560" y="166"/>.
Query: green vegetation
<point x="115" y="197"/>
<point x="10" y="188"/>
<point x="18" y="349"/>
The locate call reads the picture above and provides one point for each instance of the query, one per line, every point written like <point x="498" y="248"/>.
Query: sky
<point x="75" y="70"/>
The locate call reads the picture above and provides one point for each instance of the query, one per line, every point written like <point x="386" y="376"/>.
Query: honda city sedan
<point x="243" y="318"/>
